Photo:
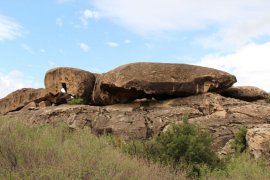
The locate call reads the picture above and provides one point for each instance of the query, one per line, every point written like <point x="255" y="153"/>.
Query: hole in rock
<point x="64" y="88"/>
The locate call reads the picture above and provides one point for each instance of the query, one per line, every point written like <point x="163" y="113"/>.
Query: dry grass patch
<point x="57" y="152"/>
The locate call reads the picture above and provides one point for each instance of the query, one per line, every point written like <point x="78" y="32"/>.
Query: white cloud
<point x="250" y="65"/>
<point x="127" y="41"/>
<point x="42" y="51"/>
<point x="149" y="46"/>
<point x="61" y="50"/>
<point x="14" y="80"/>
<point x="84" y="47"/>
<point x="60" y="22"/>
<point x="112" y="44"/>
<point x="231" y="22"/>
<point x="88" y="14"/>
<point x="9" y="29"/>
<point x="52" y="63"/>
<point x="27" y="48"/>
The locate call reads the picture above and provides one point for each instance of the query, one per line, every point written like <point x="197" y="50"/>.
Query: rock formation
<point x="246" y="93"/>
<point x="158" y="80"/>
<point x="20" y="98"/>
<point x="155" y="95"/>
<point x="76" y="82"/>
<point x="141" y="120"/>
<point x="258" y="141"/>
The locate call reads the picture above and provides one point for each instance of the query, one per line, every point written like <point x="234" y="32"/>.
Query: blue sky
<point x="99" y="35"/>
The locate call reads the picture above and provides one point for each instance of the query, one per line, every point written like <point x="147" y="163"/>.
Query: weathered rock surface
<point x="258" y="141"/>
<point x="159" y="80"/>
<point x="227" y="150"/>
<point x="21" y="98"/>
<point x="141" y="120"/>
<point x="45" y="103"/>
<point x="246" y="93"/>
<point x="78" y="83"/>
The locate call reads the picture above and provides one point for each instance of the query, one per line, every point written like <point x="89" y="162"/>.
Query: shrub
<point x="183" y="145"/>
<point x="186" y="142"/>
<point x="239" y="144"/>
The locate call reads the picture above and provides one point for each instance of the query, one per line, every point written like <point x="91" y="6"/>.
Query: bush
<point x="239" y="144"/>
<point x="183" y="145"/>
<point x="186" y="142"/>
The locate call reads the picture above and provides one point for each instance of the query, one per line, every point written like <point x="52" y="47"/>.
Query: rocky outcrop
<point x="76" y="82"/>
<point x="155" y="96"/>
<point x="145" y="119"/>
<point x="159" y="80"/>
<point x="246" y="93"/>
<point x="20" y="98"/>
<point x="258" y="141"/>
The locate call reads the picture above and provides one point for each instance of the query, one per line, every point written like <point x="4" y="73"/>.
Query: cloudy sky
<point x="98" y="35"/>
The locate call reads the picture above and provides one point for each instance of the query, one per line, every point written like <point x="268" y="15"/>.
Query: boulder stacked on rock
<point x="20" y="98"/>
<point x="75" y="82"/>
<point x="246" y="93"/>
<point x="186" y="89"/>
<point x="159" y="80"/>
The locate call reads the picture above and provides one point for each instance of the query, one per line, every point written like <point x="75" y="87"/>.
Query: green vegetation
<point x="268" y="98"/>
<point x="240" y="167"/>
<point x="239" y="144"/>
<point x="183" y="146"/>
<point x="58" y="152"/>
<point x="76" y="101"/>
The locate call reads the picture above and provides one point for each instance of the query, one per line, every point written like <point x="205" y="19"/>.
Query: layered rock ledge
<point x="141" y="120"/>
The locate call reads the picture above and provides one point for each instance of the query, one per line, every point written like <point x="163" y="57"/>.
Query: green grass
<point x="241" y="167"/>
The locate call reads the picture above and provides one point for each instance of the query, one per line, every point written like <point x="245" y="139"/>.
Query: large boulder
<point x="246" y="93"/>
<point x="258" y="141"/>
<point x="76" y="82"/>
<point x="18" y="99"/>
<point x="158" y="80"/>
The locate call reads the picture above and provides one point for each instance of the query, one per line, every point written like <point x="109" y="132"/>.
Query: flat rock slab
<point x="159" y="80"/>
<point x="20" y="98"/>
<point x="246" y="93"/>
<point x="77" y="82"/>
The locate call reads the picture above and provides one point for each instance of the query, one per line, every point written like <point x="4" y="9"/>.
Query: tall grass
<point x="57" y="152"/>
<point x="240" y="167"/>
